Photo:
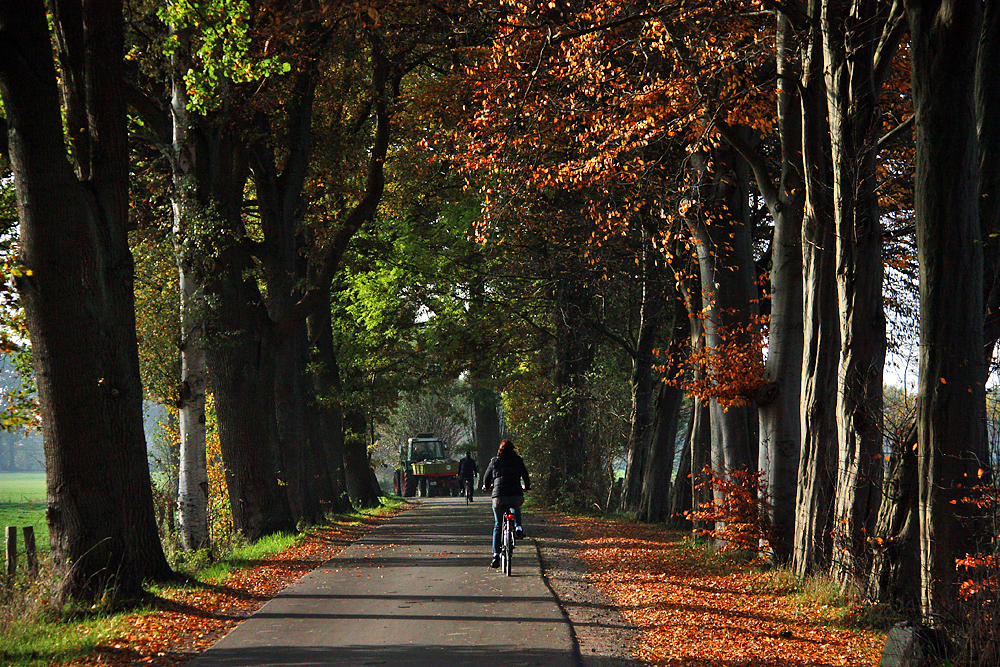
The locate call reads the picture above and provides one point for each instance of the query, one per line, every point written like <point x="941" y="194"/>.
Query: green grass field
<point x="22" y="503"/>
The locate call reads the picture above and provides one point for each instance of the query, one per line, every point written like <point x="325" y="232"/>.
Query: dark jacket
<point x="467" y="467"/>
<point x="505" y="473"/>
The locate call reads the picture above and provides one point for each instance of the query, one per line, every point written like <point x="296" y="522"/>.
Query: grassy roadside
<point x="180" y="618"/>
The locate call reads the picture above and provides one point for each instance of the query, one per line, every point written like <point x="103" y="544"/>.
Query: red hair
<point x="505" y="446"/>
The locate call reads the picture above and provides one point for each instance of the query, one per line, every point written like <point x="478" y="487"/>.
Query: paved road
<point x="416" y="591"/>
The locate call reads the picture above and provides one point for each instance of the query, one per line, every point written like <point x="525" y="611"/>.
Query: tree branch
<point x="895" y="132"/>
<point x="765" y="184"/>
<point x="892" y="33"/>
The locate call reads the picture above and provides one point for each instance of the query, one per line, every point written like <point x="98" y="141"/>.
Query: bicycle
<point x="468" y="488"/>
<point x="507" y="541"/>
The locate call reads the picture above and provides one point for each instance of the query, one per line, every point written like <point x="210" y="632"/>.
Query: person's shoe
<point x="471" y="499"/>
<point x="518" y="533"/>
<point x="495" y="563"/>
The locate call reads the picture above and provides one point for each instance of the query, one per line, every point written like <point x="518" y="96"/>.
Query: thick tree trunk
<point x="241" y="364"/>
<point x="280" y="204"/>
<point x="821" y="332"/>
<point x="987" y="106"/>
<point x="951" y="436"/>
<point x="680" y="499"/>
<point x="655" y="496"/>
<point x="728" y="296"/>
<point x="77" y="293"/>
<point x="325" y="417"/>
<point x="853" y="58"/>
<point x="896" y="541"/>
<point x="361" y="484"/>
<point x="486" y="408"/>
<point x="700" y="443"/>
<point x="297" y="464"/>
<point x="641" y="380"/>
<point x="778" y="404"/>
<point x="573" y="478"/>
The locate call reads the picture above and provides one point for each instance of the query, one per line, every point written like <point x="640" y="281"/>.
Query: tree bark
<point x="641" y="380"/>
<point x="852" y="51"/>
<point x="951" y="435"/>
<point x="987" y="106"/>
<point x="78" y="295"/>
<point x="241" y="364"/>
<point x="778" y="401"/>
<point x="680" y="501"/>
<point x="654" y="500"/>
<point x="896" y="548"/>
<point x="361" y="484"/>
<point x="821" y="332"/>
<point x="726" y="269"/>
<point x="486" y="408"/>
<point x="325" y="417"/>
<point x="192" y="488"/>
<point x="572" y="357"/>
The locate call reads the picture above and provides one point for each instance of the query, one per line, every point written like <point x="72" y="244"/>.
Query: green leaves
<point x="226" y="53"/>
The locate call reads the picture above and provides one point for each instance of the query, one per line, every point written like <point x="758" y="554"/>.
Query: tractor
<point x="426" y="468"/>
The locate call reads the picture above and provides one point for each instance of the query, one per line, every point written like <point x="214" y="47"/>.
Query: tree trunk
<point x="896" y="548"/>
<point x="572" y="357"/>
<point x="987" y="106"/>
<point x="641" y="380"/>
<point x="726" y="269"/>
<point x="325" y="417"/>
<point x="681" y="492"/>
<point x="655" y="496"/>
<point x="851" y="50"/>
<point x="821" y="332"/>
<point x="192" y="489"/>
<point x="486" y="408"/>
<point x="241" y="364"/>
<point x="357" y="465"/>
<point x="778" y="405"/>
<point x="951" y="437"/>
<point x="78" y="294"/>
<point x="280" y="205"/>
<point x="294" y="449"/>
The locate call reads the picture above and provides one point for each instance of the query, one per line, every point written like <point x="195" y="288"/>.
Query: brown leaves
<point x="692" y="609"/>
<point x="186" y="621"/>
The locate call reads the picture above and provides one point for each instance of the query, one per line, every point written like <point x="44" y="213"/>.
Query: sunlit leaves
<point x="730" y="373"/>
<point x="224" y="53"/>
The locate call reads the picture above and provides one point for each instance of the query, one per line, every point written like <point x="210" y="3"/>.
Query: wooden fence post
<point x="30" y="551"/>
<point x="11" y="534"/>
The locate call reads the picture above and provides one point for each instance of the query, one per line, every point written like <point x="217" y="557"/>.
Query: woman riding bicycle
<point x="504" y="475"/>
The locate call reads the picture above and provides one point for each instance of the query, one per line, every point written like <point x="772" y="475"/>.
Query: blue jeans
<point x="499" y="505"/>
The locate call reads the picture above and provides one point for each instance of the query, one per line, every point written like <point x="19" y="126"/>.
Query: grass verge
<point x="33" y="634"/>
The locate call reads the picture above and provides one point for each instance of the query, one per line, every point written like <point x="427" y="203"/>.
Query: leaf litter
<point x="694" y="610"/>
<point x="181" y="622"/>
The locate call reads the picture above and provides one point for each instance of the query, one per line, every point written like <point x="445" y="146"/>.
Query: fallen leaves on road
<point x="183" y="622"/>
<point x="692" y="613"/>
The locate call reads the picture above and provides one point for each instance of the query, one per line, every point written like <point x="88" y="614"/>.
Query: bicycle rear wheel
<point x="508" y="545"/>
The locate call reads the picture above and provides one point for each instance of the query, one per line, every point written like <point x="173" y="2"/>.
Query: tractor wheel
<point x="409" y="485"/>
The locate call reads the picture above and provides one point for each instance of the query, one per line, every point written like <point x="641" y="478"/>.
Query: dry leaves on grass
<point x="185" y="622"/>
<point x="690" y="612"/>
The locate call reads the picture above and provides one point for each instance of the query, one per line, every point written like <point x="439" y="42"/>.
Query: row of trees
<point x="263" y="132"/>
<point x="565" y="201"/>
<point x="747" y="166"/>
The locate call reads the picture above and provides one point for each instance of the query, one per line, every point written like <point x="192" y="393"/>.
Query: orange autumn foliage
<point x="741" y="519"/>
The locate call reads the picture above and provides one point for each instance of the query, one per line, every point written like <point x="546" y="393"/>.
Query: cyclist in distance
<point x="504" y="475"/>
<point x="467" y="471"/>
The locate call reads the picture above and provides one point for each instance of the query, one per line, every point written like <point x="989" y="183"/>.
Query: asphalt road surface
<point x="416" y="591"/>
